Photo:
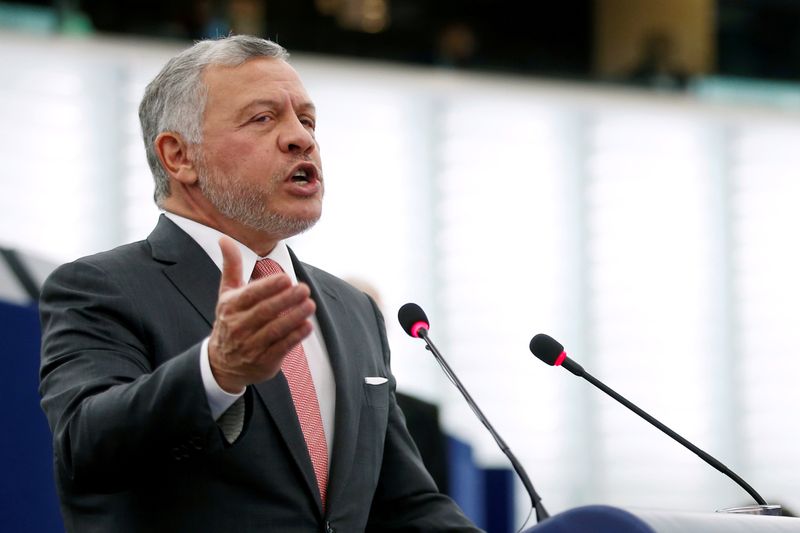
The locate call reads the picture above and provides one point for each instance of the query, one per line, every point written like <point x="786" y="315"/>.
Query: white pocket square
<point x="375" y="380"/>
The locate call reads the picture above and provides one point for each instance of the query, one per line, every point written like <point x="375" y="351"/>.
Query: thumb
<point x="231" y="265"/>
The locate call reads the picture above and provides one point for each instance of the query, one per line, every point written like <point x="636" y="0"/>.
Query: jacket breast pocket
<point x="377" y="395"/>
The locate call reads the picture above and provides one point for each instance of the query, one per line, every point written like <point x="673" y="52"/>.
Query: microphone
<point x="552" y="352"/>
<point x="414" y="322"/>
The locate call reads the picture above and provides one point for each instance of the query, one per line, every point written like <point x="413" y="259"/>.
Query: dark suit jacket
<point x="136" y="448"/>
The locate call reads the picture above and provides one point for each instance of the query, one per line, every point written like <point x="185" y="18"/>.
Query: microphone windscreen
<point x="546" y="348"/>
<point x="411" y="317"/>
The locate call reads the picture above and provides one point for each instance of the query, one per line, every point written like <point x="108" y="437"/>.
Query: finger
<point x="287" y="326"/>
<point x="248" y="320"/>
<point x="231" y="265"/>
<point x="268" y="362"/>
<point x="262" y="289"/>
<point x="281" y="347"/>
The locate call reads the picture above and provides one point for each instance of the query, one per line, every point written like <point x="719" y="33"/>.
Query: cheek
<point x="238" y="156"/>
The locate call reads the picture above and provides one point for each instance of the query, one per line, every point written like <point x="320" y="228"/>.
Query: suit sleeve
<point x="406" y="498"/>
<point x="116" y="416"/>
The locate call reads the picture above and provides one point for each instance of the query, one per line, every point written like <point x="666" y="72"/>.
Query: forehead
<point x="262" y="77"/>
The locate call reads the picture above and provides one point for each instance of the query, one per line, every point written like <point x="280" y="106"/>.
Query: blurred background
<point x="620" y="174"/>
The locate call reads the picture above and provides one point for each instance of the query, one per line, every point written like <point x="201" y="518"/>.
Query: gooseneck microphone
<point x="552" y="352"/>
<point x="414" y="322"/>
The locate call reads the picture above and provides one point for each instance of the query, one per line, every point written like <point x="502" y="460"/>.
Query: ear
<point x="173" y="151"/>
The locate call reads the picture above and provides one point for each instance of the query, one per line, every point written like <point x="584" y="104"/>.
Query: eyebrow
<point x="304" y="107"/>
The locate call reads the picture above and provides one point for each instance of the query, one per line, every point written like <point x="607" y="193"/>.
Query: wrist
<point x="228" y="383"/>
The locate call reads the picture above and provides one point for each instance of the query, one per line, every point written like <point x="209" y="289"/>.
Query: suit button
<point x="180" y="452"/>
<point x="329" y="528"/>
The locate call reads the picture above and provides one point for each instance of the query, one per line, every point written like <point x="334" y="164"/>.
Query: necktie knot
<point x="265" y="267"/>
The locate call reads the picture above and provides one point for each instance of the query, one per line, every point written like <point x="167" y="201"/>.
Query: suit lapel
<point x="348" y="397"/>
<point x="187" y="266"/>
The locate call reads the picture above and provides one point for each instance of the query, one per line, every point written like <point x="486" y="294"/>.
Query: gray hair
<point x="176" y="98"/>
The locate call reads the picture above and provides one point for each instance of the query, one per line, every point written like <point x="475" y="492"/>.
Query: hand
<point x="256" y="323"/>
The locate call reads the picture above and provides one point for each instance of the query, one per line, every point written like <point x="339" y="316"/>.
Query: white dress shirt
<point x="314" y="345"/>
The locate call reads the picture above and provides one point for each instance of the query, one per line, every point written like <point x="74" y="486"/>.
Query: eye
<point x="261" y="119"/>
<point x="308" y="122"/>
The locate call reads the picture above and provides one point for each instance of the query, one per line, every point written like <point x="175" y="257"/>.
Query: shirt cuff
<point x="218" y="399"/>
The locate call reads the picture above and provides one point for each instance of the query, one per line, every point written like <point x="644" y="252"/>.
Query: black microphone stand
<point x="705" y="456"/>
<point x="536" y="500"/>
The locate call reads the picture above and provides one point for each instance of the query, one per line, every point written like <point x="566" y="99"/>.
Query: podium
<point x="607" y="519"/>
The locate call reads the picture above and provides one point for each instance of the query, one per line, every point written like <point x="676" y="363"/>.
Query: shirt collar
<point x="208" y="239"/>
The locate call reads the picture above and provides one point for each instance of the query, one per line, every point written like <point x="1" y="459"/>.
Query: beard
<point x="248" y="203"/>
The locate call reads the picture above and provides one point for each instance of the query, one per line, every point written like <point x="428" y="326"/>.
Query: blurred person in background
<point x="205" y="379"/>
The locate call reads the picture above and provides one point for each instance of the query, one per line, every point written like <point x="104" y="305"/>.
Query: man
<point x="205" y="379"/>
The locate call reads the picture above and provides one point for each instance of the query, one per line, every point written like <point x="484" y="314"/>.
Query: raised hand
<point x="256" y="323"/>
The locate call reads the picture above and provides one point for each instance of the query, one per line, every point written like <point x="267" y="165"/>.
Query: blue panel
<point x="28" y="499"/>
<point x="466" y="481"/>
<point x="499" y="502"/>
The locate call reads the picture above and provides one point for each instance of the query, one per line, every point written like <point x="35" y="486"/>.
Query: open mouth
<point x="304" y="174"/>
<point x="301" y="176"/>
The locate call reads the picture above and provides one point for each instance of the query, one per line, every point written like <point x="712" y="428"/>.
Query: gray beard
<point x="244" y="203"/>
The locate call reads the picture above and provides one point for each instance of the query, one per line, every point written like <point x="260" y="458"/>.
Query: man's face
<point x="259" y="162"/>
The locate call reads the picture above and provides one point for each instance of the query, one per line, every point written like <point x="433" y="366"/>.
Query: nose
<point x="295" y="137"/>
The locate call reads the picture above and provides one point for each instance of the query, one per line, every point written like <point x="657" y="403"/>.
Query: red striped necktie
<point x="304" y="395"/>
